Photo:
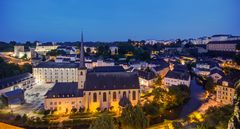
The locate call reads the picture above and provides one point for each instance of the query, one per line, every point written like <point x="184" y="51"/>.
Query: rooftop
<point x="13" y="80"/>
<point x="178" y="75"/>
<point x="108" y="69"/>
<point x="64" y="90"/>
<point x="111" y="81"/>
<point x="225" y="42"/>
<point x="57" y="65"/>
<point x="146" y="74"/>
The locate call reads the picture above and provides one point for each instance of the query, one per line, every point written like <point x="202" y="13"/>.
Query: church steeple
<point x="82" y="58"/>
<point x="82" y="69"/>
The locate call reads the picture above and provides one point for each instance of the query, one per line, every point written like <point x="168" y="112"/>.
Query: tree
<point x="24" y="118"/>
<point x="218" y="117"/>
<point x="43" y="58"/>
<point x="98" y="109"/>
<point x="88" y="50"/>
<point x="24" y="57"/>
<point x="18" y="117"/>
<point x="103" y="51"/>
<point x="158" y="82"/>
<point x="237" y="59"/>
<point x="151" y="109"/>
<point x="81" y="109"/>
<point x="133" y="118"/>
<point x="46" y="112"/>
<point x="26" y="68"/>
<point x="74" y="110"/>
<point x="103" y="122"/>
<point x="209" y="86"/>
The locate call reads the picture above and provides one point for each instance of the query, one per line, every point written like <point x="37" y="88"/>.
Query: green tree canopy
<point x="218" y="117"/>
<point x="103" y="122"/>
<point x="133" y="118"/>
<point x="209" y="86"/>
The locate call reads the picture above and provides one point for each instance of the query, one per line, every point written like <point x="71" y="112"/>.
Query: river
<point x="194" y="102"/>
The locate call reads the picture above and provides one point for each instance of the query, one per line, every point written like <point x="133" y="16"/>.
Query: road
<point x="195" y="101"/>
<point x="9" y="59"/>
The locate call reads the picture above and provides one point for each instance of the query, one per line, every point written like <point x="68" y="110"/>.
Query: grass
<point x="167" y="124"/>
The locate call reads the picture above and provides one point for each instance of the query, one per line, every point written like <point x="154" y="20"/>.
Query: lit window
<point x="134" y="95"/>
<point x="114" y="96"/>
<point x="104" y="97"/>
<point x="124" y="93"/>
<point x="94" y="97"/>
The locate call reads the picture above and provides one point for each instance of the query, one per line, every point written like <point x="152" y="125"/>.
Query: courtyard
<point x="34" y="98"/>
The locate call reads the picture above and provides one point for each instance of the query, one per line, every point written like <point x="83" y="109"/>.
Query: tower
<point x="82" y="69"/>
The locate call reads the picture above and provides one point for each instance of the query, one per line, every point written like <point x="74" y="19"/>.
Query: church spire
<point x="82" y="60"/>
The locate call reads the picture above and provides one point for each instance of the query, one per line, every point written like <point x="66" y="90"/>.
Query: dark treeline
<point x="8" y="70"/>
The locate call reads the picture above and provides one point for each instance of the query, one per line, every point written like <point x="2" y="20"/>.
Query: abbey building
<point x="100" y="88"/>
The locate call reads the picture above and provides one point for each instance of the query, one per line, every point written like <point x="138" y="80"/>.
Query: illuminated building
<point x="97" y="89"/>
<point x="225" y="91"/>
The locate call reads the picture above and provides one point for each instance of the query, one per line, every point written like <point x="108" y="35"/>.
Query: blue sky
<point x="114" y="20"/>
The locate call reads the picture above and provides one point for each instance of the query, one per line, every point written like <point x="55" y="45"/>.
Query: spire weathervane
<point x="82" y="60"/>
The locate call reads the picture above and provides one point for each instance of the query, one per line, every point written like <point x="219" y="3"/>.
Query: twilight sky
<point x="111" y="20"/>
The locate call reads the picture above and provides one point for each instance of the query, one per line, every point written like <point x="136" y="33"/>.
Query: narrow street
<point x="195" y="101"/>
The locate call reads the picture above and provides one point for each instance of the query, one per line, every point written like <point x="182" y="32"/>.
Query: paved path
<point x="195" y="101"/>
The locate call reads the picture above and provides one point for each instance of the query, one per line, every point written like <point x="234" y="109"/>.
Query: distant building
<point x="92" y="49"/>
<point x="51" y="72"/>
<point x="114" y="50"/>
<point x="225" y="91"/>
<point x="103" y="88"/>
<point x="21" y="81"/>
<point x="216" y="75"/>
<point x="204" y="68"/>
<point x="19" y="52"/>
<point x="178" y="76"/>
<point x="223" y="46"/>
<point x="43" y="49"/>
<point x="15" y="97"/>
<point x="146" y="77"/>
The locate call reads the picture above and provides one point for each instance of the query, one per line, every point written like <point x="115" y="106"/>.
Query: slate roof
<point x="13" y="93"/>
<point x="160" y="62"/>
<point x="64" y="90"/>
<point x="148" y="75"/>
<point x="225" y="42"/>
<point x="6" y="82"/>
<point x="14" y="97"/>
<point x="111" y="81"/>
<point x="57" y="65"/>
<point x="180" y="68"/>
<point x="178" y="75"/>
<point x="108" y="69"/>
<point x="208" y="62"/>
<point x="217" y="71"/>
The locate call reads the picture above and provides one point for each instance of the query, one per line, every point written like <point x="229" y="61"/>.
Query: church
<point x="101" y="88"/>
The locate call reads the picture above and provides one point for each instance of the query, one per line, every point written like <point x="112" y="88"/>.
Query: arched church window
<point x="104" y="97"/>
<point x="114" y="96"/>
<point x="134" y="95"/>
<point x="124" y="94"/>
<point x="94" y="97"/>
